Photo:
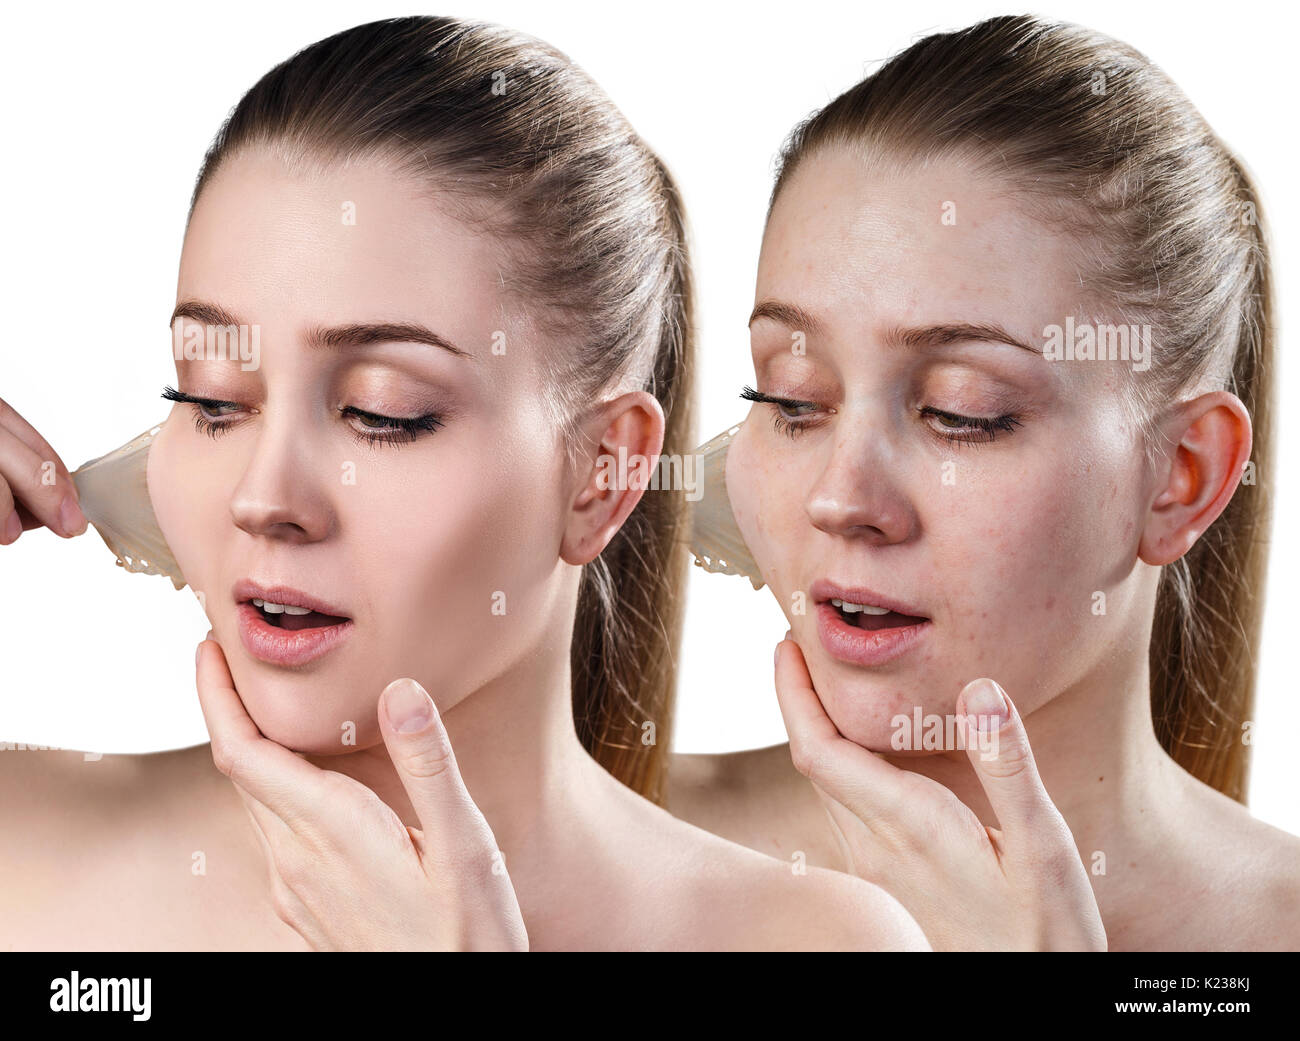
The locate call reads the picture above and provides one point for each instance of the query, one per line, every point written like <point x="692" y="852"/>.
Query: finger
<point x="284" y="783"/>
<point x="10" y="528"/>
<point x="998" y="748"/>
<point x="271" y="832"/>
<point x="849" y="773"/>
<point x="289" y="906"/>
<point x="421" y="751"/>
<point x="30" y="436"/>
<point x="52" y="504"/>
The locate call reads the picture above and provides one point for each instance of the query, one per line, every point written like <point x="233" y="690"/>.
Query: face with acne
<point x="910" y="450"/>
<point x="406" y="482"/>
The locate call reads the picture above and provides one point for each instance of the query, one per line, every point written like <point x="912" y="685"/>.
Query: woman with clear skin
<point x="391" y="465"/>
<point x="389" y="468"/>
<point x="1078" y="528"/>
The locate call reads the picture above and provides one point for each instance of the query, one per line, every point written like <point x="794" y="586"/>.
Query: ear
<point x="1211" y="438"/>
<point x="628" y="435"/>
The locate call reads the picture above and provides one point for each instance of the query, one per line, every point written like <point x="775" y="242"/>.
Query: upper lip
<point x="824" y="589"/>
<point x="246" y="589"/>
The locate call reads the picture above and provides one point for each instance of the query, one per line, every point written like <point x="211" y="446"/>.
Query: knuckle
<point x="293" y="869"/>
<point x="1013" y="760"/>
<point x="428" y="760"/>
<point x="284" y="903"/>
<point x="223" y="758"/>
<point x="808" y="760"/>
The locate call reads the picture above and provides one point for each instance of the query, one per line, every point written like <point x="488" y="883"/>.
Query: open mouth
<point x="291" y="616"/>
<point x="871" y="617"/>
<point x="860" y="627"/>
<point x="284" y="626"/>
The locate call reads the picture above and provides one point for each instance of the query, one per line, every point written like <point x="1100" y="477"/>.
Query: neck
<point x="520" y="758"/>
<point x="1097" y="753"/>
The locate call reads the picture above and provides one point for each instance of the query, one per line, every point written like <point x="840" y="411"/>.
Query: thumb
<point x="421" y="752"/>
<point x="998" y="747"/>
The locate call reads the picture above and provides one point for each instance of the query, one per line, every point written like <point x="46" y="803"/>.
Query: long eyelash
<point x="782" y="425"/>
<point x="988" y="426"/>
<point x="404" y="430"/>
<point x="407" y="430"/>
<point x="201" y="422"/>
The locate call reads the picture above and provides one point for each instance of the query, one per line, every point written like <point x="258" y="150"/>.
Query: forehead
<point x="857" y="242"/>
<point x="271" y="240"/>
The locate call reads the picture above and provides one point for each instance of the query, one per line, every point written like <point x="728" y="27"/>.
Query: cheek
<point x="1028" y="556"/>
<point x="768" y="507"/>
<point x="187" y="503"/>
<point x="457" y="560"/>
<point x="1013" y="556"/>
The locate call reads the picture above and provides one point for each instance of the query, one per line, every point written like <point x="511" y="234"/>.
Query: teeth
<point x="271" y="608"/>
<point x="848" y="608"/>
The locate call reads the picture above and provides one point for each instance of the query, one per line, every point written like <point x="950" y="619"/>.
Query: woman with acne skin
<point x="402" y="496"/>
<point x="951" y="498"/>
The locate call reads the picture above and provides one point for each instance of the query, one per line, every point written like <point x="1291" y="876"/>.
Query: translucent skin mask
<point x="716" y="541"/>
<point x="114" y="495"/>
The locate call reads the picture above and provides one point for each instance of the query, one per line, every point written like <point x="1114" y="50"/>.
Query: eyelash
<point x="986" y="428"/>
<point x="784" y="424"/>
<point x="983" y="428"/>
<point x="403" y="430"/>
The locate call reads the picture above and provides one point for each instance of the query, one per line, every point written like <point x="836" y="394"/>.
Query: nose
<point x="857" y="494"/>
<point x="278" y="495"/>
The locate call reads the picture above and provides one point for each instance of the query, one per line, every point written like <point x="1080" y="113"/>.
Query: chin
<point x="867" y="708"/>
<point x="301" y="713"/>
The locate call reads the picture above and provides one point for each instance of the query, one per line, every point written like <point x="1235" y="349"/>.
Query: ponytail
<point x="1209" y="610"/>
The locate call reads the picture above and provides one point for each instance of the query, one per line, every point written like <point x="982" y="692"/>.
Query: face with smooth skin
<point x="993" y="492"/>
<point x="442" y="547"/>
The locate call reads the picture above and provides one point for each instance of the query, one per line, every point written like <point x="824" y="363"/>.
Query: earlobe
<point x="1211" y="438"/>
<point x="628" y="435"/>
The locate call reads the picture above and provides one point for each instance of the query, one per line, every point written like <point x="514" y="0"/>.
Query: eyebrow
<point x="956" y="332"/>
<point x="794" y="317"/>
<point x="332" y="338"/>
<point x="789" y="315"/>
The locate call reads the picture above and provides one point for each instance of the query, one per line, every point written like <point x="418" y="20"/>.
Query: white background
<point x="108" y="109"/>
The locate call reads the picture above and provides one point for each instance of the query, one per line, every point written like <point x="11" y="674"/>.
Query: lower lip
<point x="848" y="643"/>
<point x="277" y="646"/>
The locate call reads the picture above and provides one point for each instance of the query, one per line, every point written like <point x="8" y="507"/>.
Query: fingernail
<point x="71" y="519"/>
<point x="408" y="706"/>
<point x="13" y="527"/>
<point x="198" y="651"/>
<point x="987" y="703"/>
<point x="776" y="654"/>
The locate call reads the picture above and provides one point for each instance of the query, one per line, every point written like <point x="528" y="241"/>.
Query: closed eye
<point x="212" y="418"/>
<point x="790" y="415"/>
<point x="969" y="429"/>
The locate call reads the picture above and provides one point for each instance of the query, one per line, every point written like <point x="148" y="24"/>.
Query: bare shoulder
<point x="757" y="799"/>
<point x="1260" y="880"/>
<point x="729" y="897"/>
<point x="75" y="809"/>
<point x="823" y="910"/>
<point x="101" y="850"/>
<point x="1231" y="882"/>
<point x="51" y="786"/>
